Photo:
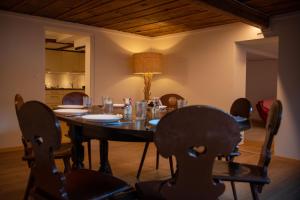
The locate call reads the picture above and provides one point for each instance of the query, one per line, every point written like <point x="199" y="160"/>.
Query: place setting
<point x="68" y="112"/>
<point x="74" y="110"/>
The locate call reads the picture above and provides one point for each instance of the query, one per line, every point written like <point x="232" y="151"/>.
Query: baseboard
<point x="287" y="158"/>
<point x="10" y="149"/>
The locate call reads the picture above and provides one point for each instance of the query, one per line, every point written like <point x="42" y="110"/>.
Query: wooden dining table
<point x="128" y="129"/>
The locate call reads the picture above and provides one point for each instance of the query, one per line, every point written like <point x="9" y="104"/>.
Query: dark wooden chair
<point x="192" y="135"/>
<point x="40" y="126"/>
<point x="240" y="107"/>
<point x="73" y="98"/>
<point x="76" y="98"/>
<point x="64" y="152"/>
<point x="255" y="175"/>
<point x="169" y="100"/>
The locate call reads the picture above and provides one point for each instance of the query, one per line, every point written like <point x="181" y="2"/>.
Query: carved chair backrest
<point x="170" y="100"/>
<point x="195" y="135"/>
<point x="73" y="98"/>
<point x="241" y="107"/>
<point x="272" y="126"/>
<point x="26" y="144"/>
<point x="40" y="126"/>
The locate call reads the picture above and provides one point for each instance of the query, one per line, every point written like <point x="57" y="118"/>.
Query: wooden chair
<point x="76" y="98"/>
<point x="192" y="135"/>
<point x="40" y="126"/>
<point x="240" y="107"/>
<point x="64" y="152"/>
<point x="255" y="175"/>
<point x="73" y="98"/>
<point x="169" y="100"/>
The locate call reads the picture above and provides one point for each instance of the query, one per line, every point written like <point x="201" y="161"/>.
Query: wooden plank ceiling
<point x="154" y="17"/>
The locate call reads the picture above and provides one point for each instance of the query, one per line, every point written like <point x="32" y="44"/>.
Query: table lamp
<point x="147" y="64"/>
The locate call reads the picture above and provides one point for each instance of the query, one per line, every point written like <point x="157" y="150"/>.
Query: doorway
<point x="261" y="83"/>
<point x="67" y="65"/>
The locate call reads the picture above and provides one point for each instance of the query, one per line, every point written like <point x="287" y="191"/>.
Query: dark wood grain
<point x="195" y="135"/>
<point x="255" y="175"/>
<point x="170" y="100"/>
<point x="274" y="7"/>
<point x="63" y="152"/>
<point x="138" y="10"/>
<point x="246" y="14"/>
<point x="241" y="107"/>
<point x="154" y="17"/>
<point x="74" y="98"/>
<point x="43" y="131"/>
<point x="282" y="171"/>
<point x="127" y="131"/>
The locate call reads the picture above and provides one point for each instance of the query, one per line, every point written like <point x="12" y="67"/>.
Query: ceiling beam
<point x="68" y="45"/>
<point x="81" y="51"/>
<point x="50" y="40"/>
<point x="238" y="9"/>
<point x="79" y="48"/>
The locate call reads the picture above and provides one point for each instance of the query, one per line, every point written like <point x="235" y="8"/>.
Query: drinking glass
<point x="140" y="110"/>
<point x="107" y="104"/>
<point x="87" y="101"/>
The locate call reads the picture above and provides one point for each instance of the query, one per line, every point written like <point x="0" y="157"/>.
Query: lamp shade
<point x="148" y="62"/>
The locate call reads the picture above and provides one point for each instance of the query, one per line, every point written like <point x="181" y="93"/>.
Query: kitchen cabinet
<point x="64" y="61"/>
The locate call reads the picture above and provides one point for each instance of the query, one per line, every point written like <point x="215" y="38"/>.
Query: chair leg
<point x="30" y="184"/>
<point x="142" y="160"/>
<point x="157" y="160"/>
<point x="67" y="164"/>
<point x="171" y="166"/>
<point x="254" y="191"/>
<point x="233" y="190"/>
<point x="89" y="153"/>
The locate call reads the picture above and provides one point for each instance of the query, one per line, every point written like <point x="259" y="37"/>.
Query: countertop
<point x="64" y="89"/>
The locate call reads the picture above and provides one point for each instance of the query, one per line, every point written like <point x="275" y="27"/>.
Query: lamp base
<point x="147" y="82"/>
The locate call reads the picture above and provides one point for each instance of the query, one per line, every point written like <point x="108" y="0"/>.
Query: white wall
<point x="287" y="142"/>
<point x="21" y="71"/>
<point x="261" y="82"/>
<point x="22" y="64"/>
<point x="205" y="66"/>
<point x="113" y="74"/>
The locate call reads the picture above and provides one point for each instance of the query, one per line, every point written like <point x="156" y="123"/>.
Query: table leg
<point x="75" y="133"/>
<point x="104" y="163"/>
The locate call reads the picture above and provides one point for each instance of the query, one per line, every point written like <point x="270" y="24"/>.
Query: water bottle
<point x="155" y="108"/>
<point x="127" y="107"/>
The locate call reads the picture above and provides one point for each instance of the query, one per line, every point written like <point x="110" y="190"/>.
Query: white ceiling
<point x="260" y="49"/>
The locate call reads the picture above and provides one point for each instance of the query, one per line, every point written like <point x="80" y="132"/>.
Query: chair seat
<point x="87" y="184"/>
<point x="63" y="151"/>
<point x="231" y="171"/>
<point x="150" y="190"/>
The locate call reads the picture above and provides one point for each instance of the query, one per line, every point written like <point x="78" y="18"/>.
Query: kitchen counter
<point x="64" y="89"/>
<point x="54" y="96"/>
